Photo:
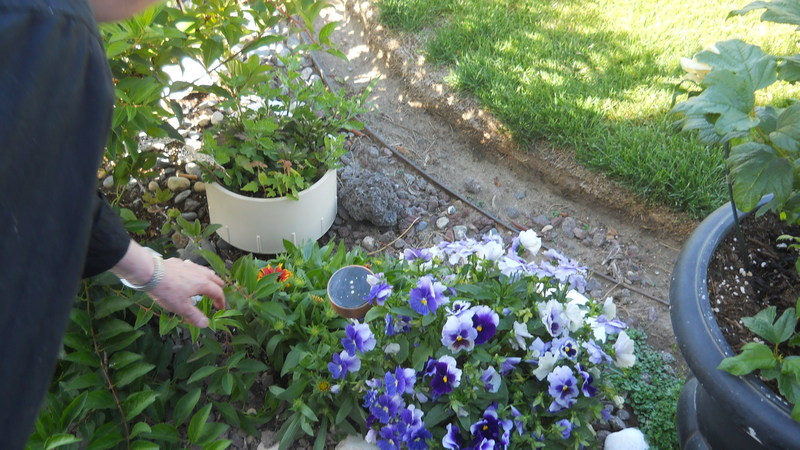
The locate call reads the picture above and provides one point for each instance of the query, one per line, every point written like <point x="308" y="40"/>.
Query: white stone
<point x="355" y="443"/>
<point x="193" y="144"/>
<point x="204" y="120"/>
<point x="152" y="186"/>
<point x="627" y="439"/>
<point x="442" y="222"/>
<point x="199" y="186"/>
<point x="368" y="243"/>
<point x="178" y="184"/>
<point x="192" y="168"/>
<point x="217" y="118"/>
<point x="108" y="182"/>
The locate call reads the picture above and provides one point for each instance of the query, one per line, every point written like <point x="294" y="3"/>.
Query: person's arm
<point x="178" y="282"/>
<point x="111" y="10"/>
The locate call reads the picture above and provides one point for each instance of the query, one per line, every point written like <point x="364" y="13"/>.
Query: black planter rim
<point x="703" y="346"/>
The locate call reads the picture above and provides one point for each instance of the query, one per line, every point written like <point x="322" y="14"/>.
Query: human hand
<point x="183" y="280"/>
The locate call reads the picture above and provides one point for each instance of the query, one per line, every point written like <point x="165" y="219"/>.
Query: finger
<point x="214" y="292"/>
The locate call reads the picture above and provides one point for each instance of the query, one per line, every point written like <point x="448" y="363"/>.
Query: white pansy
<point x="530" y="241"/>
<point x="391" y="349"/>
<point x="491" y="250"/>
<point x="546" y="364"/>
<point x="371" y="437"/>
<point x="610" y="309"/>
<point x="624" y="351"/>
<point x="372" y="280"/>
<point x="576" y="316"/>
<point x="598" y="328"/>
<point x="520" y="333"/>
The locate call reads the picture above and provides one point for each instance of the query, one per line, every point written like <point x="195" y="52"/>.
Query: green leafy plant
<point x="763" y="142"/>
<point x="770" y="359"/>
<point x="652" y="388"/>
<point x="287" y="141"/>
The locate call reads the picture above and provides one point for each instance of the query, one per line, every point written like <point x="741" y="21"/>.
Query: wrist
<point x="147" y="276"/>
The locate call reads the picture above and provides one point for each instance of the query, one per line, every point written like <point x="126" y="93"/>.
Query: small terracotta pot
<point x="347" y="288"/>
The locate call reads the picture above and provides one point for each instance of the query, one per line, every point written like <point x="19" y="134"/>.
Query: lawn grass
<point x="596" y="76"/>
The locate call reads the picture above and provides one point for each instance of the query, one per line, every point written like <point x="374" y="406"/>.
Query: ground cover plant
<point x="598" y="77"/>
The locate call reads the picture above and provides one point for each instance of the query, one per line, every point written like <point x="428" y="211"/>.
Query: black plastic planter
<point x="717" y="410"/>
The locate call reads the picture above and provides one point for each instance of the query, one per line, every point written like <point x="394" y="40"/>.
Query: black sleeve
<point x="109" y="240"/>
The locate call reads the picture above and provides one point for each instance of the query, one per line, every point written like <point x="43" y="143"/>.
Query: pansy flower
<point x="490" y="427"/>
<point x="485" y="322"/>
<point x="379" y="291"/>
<point x="413" y="254"/>
<point x="343" y="363"/>
<point x="519" y="425"/>
<point x="491" y="380"/>
<point x="358" y="337"/>
<point x="386" y="407"/>
<point x="427" y="296"/>
<point x="567" y="428"/>
<point x="452" y="439"/>
<point x="587" y="388"/>
<point x="445" y="376"/>
<point x="458" y="333"/>
<point x="623" y="351"/>
<point x="563" y="388"/>
<point x="457" y="308"/>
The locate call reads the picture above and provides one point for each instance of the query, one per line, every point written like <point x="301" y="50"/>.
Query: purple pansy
<point x="491" y="379"/>
<point x="587" y="388"/>
<point x="427" y="296"/>
<point x="394" y="385"/>
<point x="553" y="317"/>
<point x="566" y="347"/>
<point x="596" y="354"/>
<point x="413" y="254"/>
<point x="391" y="438"/>
<point x="519" y="425"/>
<point x="491" y="428"/>
<point x="358" y="337"/>
<point x="445" y="376"/>
<point x="379" y="291"/>
<point x="565" y="270"/>
<point x="485" y="322"/>
<point x="343" y="363"/>
<point x="567" y="431"/>
<point x="386" y="407"/>
<point x="509" y="364"/>
<point x="415" y="434"/>
<point x="457" y="308"/>
<point x="452" y="439"/>
<point x="408" y="377"/>
<point x="563" y="388"/>
<point x="458" y="333"/>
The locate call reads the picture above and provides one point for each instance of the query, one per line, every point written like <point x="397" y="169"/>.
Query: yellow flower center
<point x="459" y="338"/>
<point x="485" y="427"/>
<point x="323" y="386"/>
<point x="564" y="388"/>
<point x="480" y="328"/>
<point x="424" y="301"/>
<point x="444" y="378"/>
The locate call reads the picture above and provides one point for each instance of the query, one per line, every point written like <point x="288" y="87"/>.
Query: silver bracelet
<point x="155" y="279"/>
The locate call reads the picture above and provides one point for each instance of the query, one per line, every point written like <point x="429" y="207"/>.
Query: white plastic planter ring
<point x="260" y="225"/>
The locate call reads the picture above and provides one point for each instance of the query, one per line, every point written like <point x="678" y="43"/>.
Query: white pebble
<point x="627" y="439"/>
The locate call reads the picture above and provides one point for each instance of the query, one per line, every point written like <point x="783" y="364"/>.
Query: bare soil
<point x="451" y="138"/>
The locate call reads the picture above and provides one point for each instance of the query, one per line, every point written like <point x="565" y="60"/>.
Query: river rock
<point x="178" y="184"/>
<point x="442" y="222"/>
<point x="199" y="186"/>
<point x="183" y="195"/>
<point x="369" y="196"/>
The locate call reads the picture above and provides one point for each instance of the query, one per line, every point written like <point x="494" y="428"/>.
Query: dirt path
<point x="466" y="150"/>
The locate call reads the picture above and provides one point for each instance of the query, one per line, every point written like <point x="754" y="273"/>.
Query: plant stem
<point x="742" y="247"/>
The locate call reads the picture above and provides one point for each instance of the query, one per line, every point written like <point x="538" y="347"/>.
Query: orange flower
<point x="284" y="273"/>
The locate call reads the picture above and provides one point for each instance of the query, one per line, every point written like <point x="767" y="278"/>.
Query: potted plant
<point x="725" y="405"/>
<point x="273" y="176"/>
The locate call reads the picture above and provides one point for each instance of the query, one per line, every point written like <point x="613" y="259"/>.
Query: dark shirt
<point x="56" y="99"/>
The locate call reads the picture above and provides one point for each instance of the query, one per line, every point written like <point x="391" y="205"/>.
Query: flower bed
<point x="467" y="345"/>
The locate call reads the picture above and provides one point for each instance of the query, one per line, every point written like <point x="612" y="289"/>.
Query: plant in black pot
<point x="746" y="399"/>
<point x="275" y="155"/>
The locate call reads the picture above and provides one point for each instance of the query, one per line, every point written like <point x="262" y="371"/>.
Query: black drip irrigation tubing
<point x="368" y="131"/>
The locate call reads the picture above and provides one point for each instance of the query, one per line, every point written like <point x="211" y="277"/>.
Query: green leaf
<point x="436" y="415"/>
<point x="227" y="383"/>
<point x="215" y="261"/>
<point x="143" y="316"/>
<point x="113" y="328"/>
<point x="754" y="356"/>
<point x="251" y="365"/>
<point x="201" y="373"/>
<point x="748" y="62"/>
<point x="185" y="406"/>
<point x="60" y="440"/>
<point x="110" y="305"/>
<point x="764" y="325"/>
<point x="322" y="435"/>
<point x="144" y="445"/>
<point x="293" y="359"/>
<point x="785" y="325"/>
<point x="198" y="423"/>
<point x="326" y="32"/>
<point x="757" y="171"/>
<point x="164" y="432"/>
<point x="787" y="134"/>
<point x="289" y="394"/>
<point x="73" y="410"/>
<point x="344" y="410"/>
<point x="122" y="359"/>
<point x="136" y="403"/>
<point x="218" y="445"/>
<point x="139" y="428"/>
<point x="131" y="373"/>
<point x="789" y="69"/>
<point x="778" y="11"/>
